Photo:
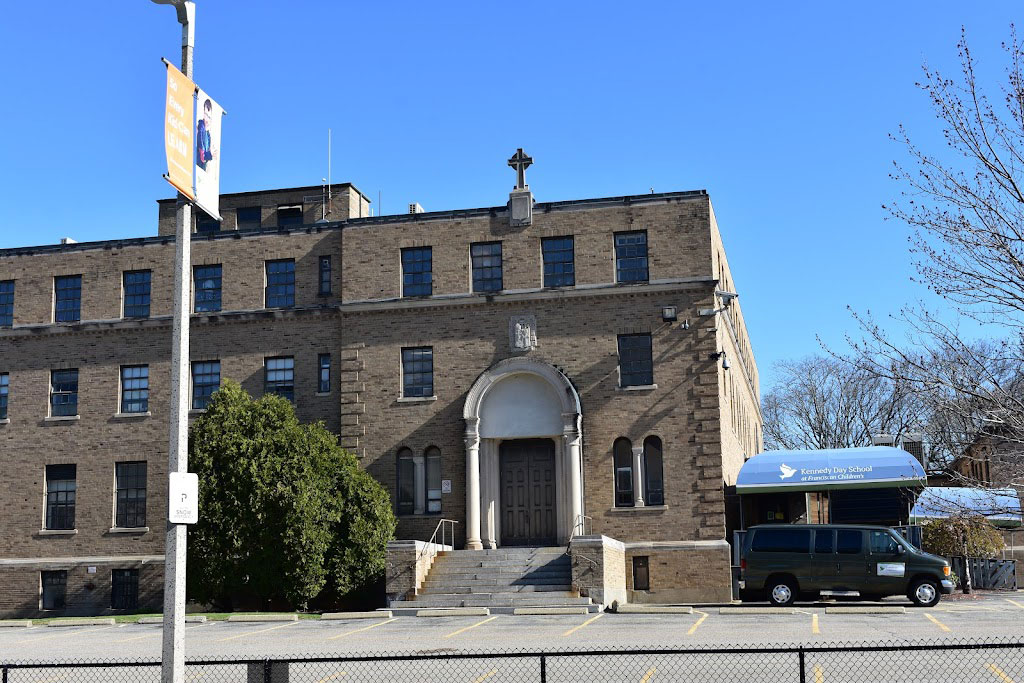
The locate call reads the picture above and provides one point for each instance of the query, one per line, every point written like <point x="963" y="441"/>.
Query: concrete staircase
<point x="501" y="580"/>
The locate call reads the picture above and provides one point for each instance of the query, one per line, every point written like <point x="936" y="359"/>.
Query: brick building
<point x="459" y="354"/>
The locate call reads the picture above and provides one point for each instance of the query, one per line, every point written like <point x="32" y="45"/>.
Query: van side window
<point x="823" y="542"/>
<point x="849" y="541"/>
<point x="781" y="541"/>
<point x="882" y="543"/>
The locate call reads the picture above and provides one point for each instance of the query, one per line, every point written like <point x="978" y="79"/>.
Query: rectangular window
<point x="124" y="584"/>
<point x="641" y="573"/>
<point x="137" y="287"/>
<point x="206" y="223"/>
<point x="654" y="475"/>
<point x="279" y="377"/>
<point x="134" y="388"/>
<point x="205" y="381"/>
<point x="280" y="291"/>
<point x="418" y="372"/>
<point x="67" y="297"/>
<point x="823" y="542"/>
<point x="325" y="275"/>
<point x="63" y="393"/>
<point x="406" y="482"/>
<point x="849" y="541"/>
<point x="636" y="364"/>
<point x="417" y="271"/>
<point x="289" y="216"/>
<point x="60" y="496"/>
<point x="324" y="381"/>
<point x="559" y="261"/>
<point x="882" y="543"/>
<point x="486" y="258"/>
<point x="781" y="541"/>
<point x="623" y="462"/>
<point x="55" y="585"/>
<point x="248" y="217"/>
<point x="631" y="256"/>
<point x="5" y="388"/>
<point x="7" y="303"/>
<point x="131" y="494"/>
<point x="206" y="285"/>
<point x="433" y="479"/>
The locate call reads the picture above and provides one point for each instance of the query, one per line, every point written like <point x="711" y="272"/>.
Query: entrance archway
<point x="520" y="401"/>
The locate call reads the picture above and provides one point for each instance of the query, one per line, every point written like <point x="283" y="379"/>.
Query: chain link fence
<point x="1000" y="661"/>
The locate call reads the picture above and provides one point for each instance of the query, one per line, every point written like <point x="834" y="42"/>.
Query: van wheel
<point x="924" y="592"/>
<point x="782" y="591"/>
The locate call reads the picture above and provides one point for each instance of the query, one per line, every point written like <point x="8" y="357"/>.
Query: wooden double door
<point x="528" y="492"/>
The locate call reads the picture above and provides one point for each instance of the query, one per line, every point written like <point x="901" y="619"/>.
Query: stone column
<point x="574" y="458"/>
<point x="638" y="480"/>
<point x="473" y="484"/>
<point x="419" y="505"/>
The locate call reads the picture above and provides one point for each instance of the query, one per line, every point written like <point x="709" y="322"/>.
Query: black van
<point x="781" y="562"/>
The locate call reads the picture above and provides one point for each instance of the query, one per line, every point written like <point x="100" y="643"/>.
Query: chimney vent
<point x="68" y="240"/>
<point x="416" y="208"/>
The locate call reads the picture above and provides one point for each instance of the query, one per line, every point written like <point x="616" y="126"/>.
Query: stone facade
<point x="706" y="417"/>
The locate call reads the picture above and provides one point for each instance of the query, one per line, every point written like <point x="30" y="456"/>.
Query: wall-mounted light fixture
<point x="720" y="354"/>
<point x="668" y="314"/>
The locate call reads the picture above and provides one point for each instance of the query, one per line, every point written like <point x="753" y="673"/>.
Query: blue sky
<point x="781" y="111"/>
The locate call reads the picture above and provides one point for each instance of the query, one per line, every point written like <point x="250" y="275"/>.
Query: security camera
<point x="726" y="297"/>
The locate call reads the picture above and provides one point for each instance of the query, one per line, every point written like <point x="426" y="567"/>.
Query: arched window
<point x="654" y="479"/>
<point x="433" y="478"/>
<point x="406" y="484"/>
<point x="623" y="454"/>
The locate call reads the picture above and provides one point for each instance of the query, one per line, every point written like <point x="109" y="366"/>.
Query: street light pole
<point x="173" y="658"/>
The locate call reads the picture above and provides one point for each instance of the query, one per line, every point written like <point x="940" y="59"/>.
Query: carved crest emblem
<point x="522" y="332"/>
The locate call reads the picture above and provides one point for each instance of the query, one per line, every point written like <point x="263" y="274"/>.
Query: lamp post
<point x="173" y="654"/>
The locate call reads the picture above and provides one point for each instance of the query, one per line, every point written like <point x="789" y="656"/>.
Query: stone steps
<point x="503" y="579"/>
<point x="494" y="588"/>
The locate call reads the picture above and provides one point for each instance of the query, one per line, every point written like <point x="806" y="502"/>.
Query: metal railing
<point x="958" y="661"/>
<point x="431" y="546"/>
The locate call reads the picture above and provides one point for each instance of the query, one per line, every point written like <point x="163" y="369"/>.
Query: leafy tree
<point x="284" y="511"/>
<point x="947" y="536"/>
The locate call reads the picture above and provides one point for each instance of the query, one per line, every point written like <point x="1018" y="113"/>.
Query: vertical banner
<point x="208" y="116"/>
<point x="178" y="130"/>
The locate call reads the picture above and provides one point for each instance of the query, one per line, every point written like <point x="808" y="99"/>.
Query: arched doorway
<point x="524" y="480"/>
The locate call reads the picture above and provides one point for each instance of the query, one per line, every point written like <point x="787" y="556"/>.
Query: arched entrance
<point x="524" y="479"/>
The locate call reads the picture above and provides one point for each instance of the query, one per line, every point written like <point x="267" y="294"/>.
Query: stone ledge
<point x="639" y="510"/>
<point x="331" y="616"/>
<point x="62" y="418"/>
<point x="653" y="609"/>
<point x="638" y="387"/>
<point x="57" y="532"/>
<point x="107" y="621"/>
<point x="132" y="416"/>
<point x="16" y="623"/>
<point x="455" y="612"/>
<point x="128" y="530"/>
<point x="866" y="610"/>
<point x="416" y="399"/>
<point x="757" y="610"/>
<point x="258" y="618"/>
<point x="678" y="545"/>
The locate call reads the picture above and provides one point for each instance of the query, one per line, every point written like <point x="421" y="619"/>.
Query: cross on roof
<point x="520" y="162"/>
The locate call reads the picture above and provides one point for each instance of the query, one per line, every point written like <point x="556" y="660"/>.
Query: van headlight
<point x="945" y="570"/>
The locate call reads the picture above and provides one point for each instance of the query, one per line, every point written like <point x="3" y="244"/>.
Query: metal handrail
<point x="578" y="524"/>
<point x="432" y="543"/>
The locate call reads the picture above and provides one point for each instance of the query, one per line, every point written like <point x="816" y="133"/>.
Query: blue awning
<point x="829" y="469"/>
<point x="999" y="506"/>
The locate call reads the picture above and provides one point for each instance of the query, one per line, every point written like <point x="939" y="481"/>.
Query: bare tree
<point x="965" y="208"/>
<point x="828" y="402"/>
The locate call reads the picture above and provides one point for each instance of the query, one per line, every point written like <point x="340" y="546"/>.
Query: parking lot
<point x="994" y="616"/>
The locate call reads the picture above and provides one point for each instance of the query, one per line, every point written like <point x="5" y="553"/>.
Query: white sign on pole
<point x="208" y="121"/>
<point x="183" y="498"/>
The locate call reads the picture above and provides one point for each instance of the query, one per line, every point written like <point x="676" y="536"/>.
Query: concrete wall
<point x="408" y="563"/>
<point x="598" y="569"/>
<point x="681" y="572"/>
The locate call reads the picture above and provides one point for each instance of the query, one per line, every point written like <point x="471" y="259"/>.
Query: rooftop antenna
<point x="380" y="207"/>
<point x="328" y="168"/>
<point x="323" y="199"/>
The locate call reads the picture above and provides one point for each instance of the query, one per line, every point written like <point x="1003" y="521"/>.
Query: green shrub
<point x="946" y="537"/>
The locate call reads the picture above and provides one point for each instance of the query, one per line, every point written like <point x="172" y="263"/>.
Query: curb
<point x="653" y="609"/>
<point x="259" y="618"/>
<point x="330" y="616"/>
<point x="108" y="621"/>
<point x="455" y="612"/>
<point x="757" y="610"/>
<point x="550" y="610"/>
<point x="866" y="610"/>
<point x="160" y="620"/>
<point x="16" y="623"/>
